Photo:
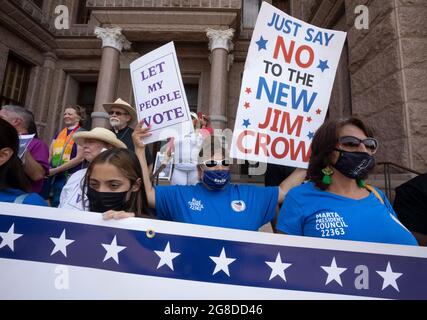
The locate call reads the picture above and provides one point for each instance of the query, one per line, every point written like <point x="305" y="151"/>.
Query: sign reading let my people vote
<point x="159" y="94"/>
<point x="286" y="86"/>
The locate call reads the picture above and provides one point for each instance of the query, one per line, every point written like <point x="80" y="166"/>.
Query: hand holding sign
<point x="139" y="136"/>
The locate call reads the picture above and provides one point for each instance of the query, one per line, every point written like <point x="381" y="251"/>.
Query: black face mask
<point x="104" y="201"/>
<point x="354" y="165"/>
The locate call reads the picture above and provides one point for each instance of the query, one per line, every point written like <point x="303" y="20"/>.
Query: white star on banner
<point x="222" y="262"/>
<point x="112" y="250"/>
<point x="61" y="244"/>
<point x="8" y="238"/>
<point x="333" y="272"/>
<point x="166" y="257"/>
<point x="389" y="277"/>
<point x="278" y="267"/>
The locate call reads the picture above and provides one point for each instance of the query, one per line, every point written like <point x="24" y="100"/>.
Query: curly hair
<point x="323" y="145"/>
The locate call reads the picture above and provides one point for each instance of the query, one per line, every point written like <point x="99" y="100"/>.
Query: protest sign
<point x="286" y="86"/>
<point x="160" y="98"/>
<point x="49" y="253"/>
<point x="24" y="141"/>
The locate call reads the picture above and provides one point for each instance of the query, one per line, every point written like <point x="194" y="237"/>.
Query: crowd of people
<point x="109" y="171"/>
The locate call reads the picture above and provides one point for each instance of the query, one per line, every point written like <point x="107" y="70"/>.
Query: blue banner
<point x="286" y="266"/>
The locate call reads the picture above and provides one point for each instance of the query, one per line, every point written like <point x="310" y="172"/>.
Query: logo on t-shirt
<point x="238" y="205"/>
<point x="195" y="205"/>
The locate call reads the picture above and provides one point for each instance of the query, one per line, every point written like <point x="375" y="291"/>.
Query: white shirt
<point x="71" y="194"/>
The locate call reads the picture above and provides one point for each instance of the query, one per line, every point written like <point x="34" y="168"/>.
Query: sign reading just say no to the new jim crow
<point x="159" y="94"/>
<point x="286" y="86"/>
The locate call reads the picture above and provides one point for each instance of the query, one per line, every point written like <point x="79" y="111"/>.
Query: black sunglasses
<point x="352" y="142"/>
<point x="214" y="163"/>
<point x="117" y="113"/>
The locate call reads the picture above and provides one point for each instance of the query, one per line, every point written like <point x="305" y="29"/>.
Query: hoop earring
<point x="327" y="173"/>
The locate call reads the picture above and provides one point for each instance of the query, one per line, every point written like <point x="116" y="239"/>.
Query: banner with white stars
<point x="49" y="253"/>
<point x="286" y="86"/>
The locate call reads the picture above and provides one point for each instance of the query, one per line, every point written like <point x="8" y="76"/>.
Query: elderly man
<point x="36" y="158"/>
<point x="93" y="143"/>
<point x="122" y="117"/>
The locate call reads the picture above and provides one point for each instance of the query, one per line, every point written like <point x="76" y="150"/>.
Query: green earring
<point x="327" y="173"/>
<point x="361" y="183"/>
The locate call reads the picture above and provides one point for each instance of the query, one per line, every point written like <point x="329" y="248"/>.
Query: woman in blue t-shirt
<point x="336" y="203"/>
<point x="13" y="182"/>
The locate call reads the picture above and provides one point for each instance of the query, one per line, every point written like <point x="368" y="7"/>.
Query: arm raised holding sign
<point x="215" y="200"/>
<point x="138" y="135"/>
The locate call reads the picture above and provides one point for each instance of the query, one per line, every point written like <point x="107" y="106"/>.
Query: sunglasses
<point x="352" y="142"/>
<point x="111" y="113"/>
<point x="214" y="163"/>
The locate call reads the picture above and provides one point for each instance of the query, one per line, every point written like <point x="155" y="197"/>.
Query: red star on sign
<point x="308" y="119"/>
<point x="318" y="111"/>
<point x="248" y="90"/>
<point x="247" y="105"/>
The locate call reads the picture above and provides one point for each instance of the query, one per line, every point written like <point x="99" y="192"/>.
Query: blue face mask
<point x="216" y="179"/>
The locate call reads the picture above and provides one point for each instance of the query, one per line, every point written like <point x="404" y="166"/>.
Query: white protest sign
<point x="286" y="86"/>
<point x="24" y="141"/>
<point x="160" y="98"/>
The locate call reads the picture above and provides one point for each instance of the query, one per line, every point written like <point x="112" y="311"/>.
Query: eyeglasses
<point x="352" y="142"/>
<point x="214" y="163"/>
<point x="111" y="113"/>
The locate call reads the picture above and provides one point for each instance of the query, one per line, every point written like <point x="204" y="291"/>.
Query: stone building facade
<point x="382" y="76"/>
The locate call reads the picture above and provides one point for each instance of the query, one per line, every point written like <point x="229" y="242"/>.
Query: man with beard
<point x="122" y="117"/>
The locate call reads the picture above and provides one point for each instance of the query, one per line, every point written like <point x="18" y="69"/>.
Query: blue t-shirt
<point x="309" y="211"/>
<point x="236" y="206"/>
<point x="9" y="195"/>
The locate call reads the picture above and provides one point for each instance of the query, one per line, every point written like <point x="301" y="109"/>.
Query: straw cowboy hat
<point x="124" y="105"/>
<point x="101" y="134"/>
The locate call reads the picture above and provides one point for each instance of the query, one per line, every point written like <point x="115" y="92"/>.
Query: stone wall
<point x="412" y="20"/>
<point x="387" y="81"/>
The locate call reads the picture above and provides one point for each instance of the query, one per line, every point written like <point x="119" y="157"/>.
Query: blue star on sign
<point x="310" y="135"/>
<point x="246" y="123"/>
<point x="261" y="43"/>
<point x="323" y="64"/>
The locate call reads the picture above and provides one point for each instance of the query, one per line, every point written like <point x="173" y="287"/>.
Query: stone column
<point x="219" y="44"/>
<point x="40" y="90"/>
<point x="4" y="54"/>
<point x="112" y="44"/>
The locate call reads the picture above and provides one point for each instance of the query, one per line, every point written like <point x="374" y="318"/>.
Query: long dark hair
<point x="11" y="172"/>
<point x="128" y="164"/>
<point x="323" y="145"/>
